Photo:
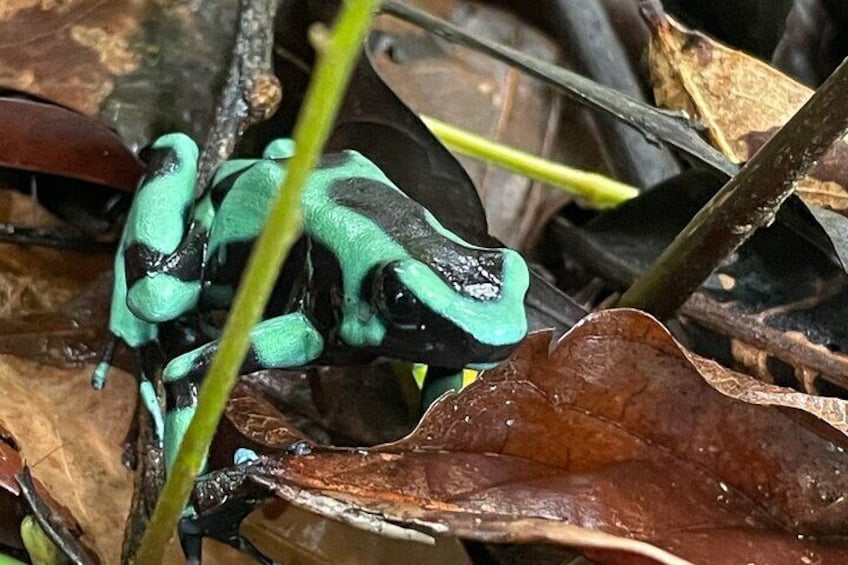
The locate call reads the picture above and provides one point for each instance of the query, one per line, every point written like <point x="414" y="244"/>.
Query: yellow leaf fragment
<point x="741" y="101"/>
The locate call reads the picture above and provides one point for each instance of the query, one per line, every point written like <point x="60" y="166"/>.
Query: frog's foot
<point x="244" y="455"/>
<point x="277" y="343"/>
<point x="98" y="377"/>
<point x="221" y="523"/>
<point x="440" y="380"/>
<point x="282" y="148"/>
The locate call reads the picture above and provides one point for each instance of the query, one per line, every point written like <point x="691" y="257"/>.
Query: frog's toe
<point x="161" y="297"/>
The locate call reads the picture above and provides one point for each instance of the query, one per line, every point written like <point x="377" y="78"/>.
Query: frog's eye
<point x="396" y="303"/>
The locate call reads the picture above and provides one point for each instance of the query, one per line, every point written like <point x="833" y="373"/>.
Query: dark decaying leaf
<point x="462" y="87"/>
<point x="777" y="292"/>
<point x="45" y="138"/>
<point x="752" y="25"/>
<point x="813" y="41"/>
<point x="615" y="430"/>
<point x="357" y="405"/>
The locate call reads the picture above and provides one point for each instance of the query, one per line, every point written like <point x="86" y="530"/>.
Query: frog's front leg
<point x="277" y="343"/>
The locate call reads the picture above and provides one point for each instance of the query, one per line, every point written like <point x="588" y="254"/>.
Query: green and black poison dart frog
<point x="373" y="275"/>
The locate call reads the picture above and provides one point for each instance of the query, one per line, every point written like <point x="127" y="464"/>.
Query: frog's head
<point x="466" y="312"/>
<point x="413" y="290"/>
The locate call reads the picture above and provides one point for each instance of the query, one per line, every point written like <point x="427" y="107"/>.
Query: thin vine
<point x="337" y="54"/>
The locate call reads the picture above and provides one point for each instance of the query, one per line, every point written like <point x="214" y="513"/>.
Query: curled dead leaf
<point x="614" y="431"/>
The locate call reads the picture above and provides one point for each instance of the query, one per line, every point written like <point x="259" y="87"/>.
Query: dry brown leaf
<point x="40" y="279"/>
<point x="741" y="100"/>
<point x="615" y="431"/>
<point x="834" y="411"/>
<point x="73" y="438"/>
<point x="68" y="51"/>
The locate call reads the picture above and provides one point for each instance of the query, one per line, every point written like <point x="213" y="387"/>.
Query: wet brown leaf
<point x="834" y="411"/>
<point x="73" y="438"/>
<point x="741" y="100"/>
<point x="614" y="431"/>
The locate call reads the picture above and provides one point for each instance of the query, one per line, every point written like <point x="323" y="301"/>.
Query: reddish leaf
<point x="45" y="138"/>
<point x="10" y="462"/>
<point x="10" y="514"/>
<point x="614" y="431"/>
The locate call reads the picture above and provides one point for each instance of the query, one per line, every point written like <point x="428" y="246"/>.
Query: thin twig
<point x="252" y="92"/>
<point x="749" y="201"/>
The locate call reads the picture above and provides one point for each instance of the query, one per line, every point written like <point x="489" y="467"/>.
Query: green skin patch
<point x="285" y="341"/>
<point x="242" y="191"/>
<point x="360" y="245"/>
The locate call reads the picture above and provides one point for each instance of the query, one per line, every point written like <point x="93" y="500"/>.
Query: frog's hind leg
<point x="277" y="343"/>
<point x="165" y="237"/>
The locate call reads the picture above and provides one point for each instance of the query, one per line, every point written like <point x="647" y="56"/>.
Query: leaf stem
<point x="747" y="202"/>
<point x="602" y="191"/>
<point x="282" y="228"/>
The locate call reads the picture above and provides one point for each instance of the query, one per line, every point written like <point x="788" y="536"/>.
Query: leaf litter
<point x="617" y="430"/>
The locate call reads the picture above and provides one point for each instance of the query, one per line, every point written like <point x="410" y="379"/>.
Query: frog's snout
<point x="161" y="297"/>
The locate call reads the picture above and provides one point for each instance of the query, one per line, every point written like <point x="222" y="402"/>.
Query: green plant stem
<point x="282" y="227"/>
<point x="747" y="202"/>
<point x="602" y="191"/>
